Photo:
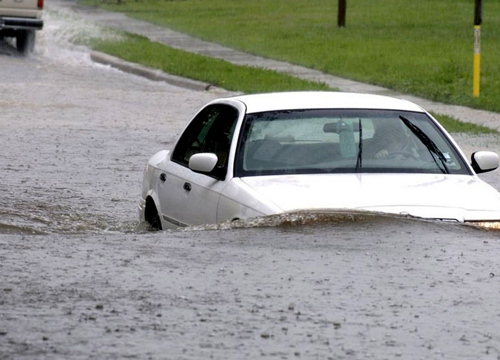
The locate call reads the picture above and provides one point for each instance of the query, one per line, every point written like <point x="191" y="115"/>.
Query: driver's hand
<point x="382" y="154"/>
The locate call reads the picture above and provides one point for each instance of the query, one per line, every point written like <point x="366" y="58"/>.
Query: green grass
<point x="455" y="126"/>
<point x="425" y="49"/>
<point x="219" y="73"/>
<point x="418" y="47"/>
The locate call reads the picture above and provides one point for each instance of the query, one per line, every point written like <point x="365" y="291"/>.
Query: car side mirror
<point x="206" y="163"/>
<point x="484" y="161"/>
<point x="203" y="162"/>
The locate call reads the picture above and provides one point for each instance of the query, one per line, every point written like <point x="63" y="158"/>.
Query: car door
<point x="189" y="198"/>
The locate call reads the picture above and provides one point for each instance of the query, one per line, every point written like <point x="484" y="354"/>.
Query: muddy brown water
<point x="80" y="279"/>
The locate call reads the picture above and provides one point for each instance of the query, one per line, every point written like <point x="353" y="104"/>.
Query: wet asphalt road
<point x="80" y="280"/>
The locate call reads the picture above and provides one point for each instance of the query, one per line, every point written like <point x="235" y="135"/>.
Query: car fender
<point x="240" y="201"/>
<point x="142" y="204"/>
<point x="150" y="182"/>
<point x="151" y="170"/>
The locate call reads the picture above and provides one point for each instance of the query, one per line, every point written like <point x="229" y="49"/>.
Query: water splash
<point x="308" y="218"/>
<point x="66" y="36"/>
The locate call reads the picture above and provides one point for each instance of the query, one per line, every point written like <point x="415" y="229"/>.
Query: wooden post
<point x="341" y="13"/>
<point x="476" y="77"/>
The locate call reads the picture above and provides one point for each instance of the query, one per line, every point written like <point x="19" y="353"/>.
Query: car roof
<point x="322" y="100"/>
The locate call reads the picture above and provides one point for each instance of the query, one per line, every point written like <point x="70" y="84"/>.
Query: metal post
<point x="476" y="78"/>
<point x="341" y="13"/>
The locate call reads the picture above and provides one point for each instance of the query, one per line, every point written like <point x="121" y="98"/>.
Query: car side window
<point x="211" y="131"/>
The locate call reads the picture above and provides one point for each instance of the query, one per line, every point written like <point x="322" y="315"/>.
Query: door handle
<point x="187" y="186"/>
<point x="163" y="176"/>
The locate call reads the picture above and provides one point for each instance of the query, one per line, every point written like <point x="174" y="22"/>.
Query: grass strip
<point x="423" y="48"/>
<point x="140" y="50"/>
<point x="220" y="73"/>
<point x="456" y="126"/>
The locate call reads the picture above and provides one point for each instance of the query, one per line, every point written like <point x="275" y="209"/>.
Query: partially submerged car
<point x="20" y="19"/>
<point x="264" y="154"/>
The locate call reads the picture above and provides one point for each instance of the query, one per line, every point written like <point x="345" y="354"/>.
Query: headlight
<point x="495" y="225"/>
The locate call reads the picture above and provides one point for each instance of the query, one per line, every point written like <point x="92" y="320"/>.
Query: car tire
<point x="152" y="216"/>
<point x="25" y="41"/>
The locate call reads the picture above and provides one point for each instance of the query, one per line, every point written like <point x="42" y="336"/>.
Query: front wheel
<point x="152" y="216"/>
<point x="25" y="41"/>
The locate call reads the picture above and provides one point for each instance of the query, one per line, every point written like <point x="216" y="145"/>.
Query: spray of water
<point x="66" y="36"/>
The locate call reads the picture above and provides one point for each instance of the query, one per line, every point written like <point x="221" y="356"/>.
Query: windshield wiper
<point x="360" y="148"/>
<point x="429" y="144"/>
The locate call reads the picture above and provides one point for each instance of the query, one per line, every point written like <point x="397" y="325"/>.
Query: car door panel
<point x="188" y="197"/>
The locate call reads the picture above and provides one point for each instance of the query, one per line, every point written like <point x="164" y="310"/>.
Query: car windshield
<point x="344" y="141"/>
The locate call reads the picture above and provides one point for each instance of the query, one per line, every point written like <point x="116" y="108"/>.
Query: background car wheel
<point x="25" y="41"/>
<point x="152" y="216"/>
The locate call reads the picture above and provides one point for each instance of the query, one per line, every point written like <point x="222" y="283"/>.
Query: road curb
<point x="151" y="74"/>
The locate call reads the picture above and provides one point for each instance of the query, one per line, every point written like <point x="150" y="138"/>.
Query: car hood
<point x="447" y="197"/>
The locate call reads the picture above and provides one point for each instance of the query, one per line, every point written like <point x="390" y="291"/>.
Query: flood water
<point x="80" y="278"/>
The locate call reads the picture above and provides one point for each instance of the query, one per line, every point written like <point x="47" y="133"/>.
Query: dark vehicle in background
<point x="19" y="20"/>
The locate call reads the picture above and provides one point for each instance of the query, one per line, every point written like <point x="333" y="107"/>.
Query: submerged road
<point x="79" y="279"/>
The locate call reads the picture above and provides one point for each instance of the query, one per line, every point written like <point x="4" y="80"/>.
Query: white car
<point x="256" y="155"/>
